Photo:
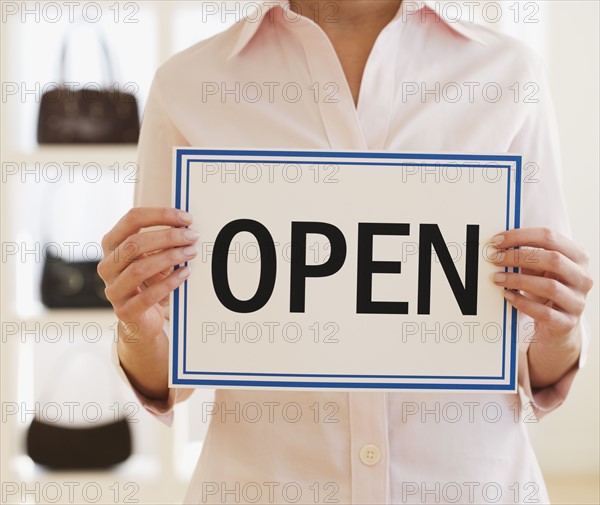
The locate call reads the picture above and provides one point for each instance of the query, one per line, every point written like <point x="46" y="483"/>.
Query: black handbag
<point x="72" y="284"/>
<point x="93" y="114"/>
<point x="70" y="448"/>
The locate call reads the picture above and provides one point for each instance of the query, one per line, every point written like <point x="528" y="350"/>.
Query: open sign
<point x="344" y="270"/>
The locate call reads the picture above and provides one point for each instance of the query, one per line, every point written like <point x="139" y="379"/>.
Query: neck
<point x="337" y="15"/>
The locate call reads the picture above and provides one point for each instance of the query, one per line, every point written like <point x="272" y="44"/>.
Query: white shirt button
<point x="370" y="454"/>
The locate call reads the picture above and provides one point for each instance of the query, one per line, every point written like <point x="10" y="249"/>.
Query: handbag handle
<point x="105" y="53"/>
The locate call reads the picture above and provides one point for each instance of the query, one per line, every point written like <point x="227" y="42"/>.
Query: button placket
<point x="341" y="119"/>
<point x="369" y="447"/>
<point x="377" y="87"/>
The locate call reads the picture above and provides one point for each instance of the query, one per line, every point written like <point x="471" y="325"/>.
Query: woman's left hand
<point x="553" y="279"/>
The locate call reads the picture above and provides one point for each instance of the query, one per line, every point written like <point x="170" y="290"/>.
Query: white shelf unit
<point x="163" y="457"/>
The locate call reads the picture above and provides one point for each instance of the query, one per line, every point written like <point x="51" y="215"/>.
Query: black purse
<point x="93" y="114"/>
<point x="61" y="446"/>
<point x="69" y="448"/>
<point x="72" y="284"/>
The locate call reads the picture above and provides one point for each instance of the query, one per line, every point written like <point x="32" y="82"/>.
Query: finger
<point x="143" y="301"/>
<point x="558" y="321"/>
<point x="151" y="241"/>
<point x="143" y="217"/>
<point x="544" y="288"/>
<point x="543" y="238"/>
<point x="128" y="283"/>
<point x="159" y="277"/>
<point x="140" y="244"/>
<point x="155" y="279"/>
<point x="529" y="271"/>
<point x="554" y="262"/>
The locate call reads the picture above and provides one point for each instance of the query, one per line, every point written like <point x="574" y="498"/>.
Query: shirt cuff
<point x="546" y="399"/>
<point x="161" y="409"/>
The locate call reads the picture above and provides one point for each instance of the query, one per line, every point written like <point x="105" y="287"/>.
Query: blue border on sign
<point x="368" y="385"/>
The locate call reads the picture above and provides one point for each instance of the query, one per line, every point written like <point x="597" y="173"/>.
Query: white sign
<point x="344" y="270"/>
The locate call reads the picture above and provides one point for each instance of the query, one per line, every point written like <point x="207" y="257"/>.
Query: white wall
<point x="567" y="440"/>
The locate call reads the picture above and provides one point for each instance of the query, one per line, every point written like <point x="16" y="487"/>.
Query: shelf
<point x="136" y="467"/>
<point x="102" y="154"/>
<point x="104" y="317"/>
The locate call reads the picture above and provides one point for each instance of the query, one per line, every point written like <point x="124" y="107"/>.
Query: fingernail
<point x="497" y="240"/>
<point x="499" y="277"/>
<point x="185" y="217"/>
<point x="183" y="272"/>
<point x="190" y="251"/>
<point x="499" y="257"/>
<point x="191" y="234"/>
<point x="509" y="295"/>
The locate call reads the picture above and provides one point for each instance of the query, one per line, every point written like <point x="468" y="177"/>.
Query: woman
<point x="357" y="75"/>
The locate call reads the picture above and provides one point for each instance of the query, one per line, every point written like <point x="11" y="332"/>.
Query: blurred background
<point x="61" y="198"/>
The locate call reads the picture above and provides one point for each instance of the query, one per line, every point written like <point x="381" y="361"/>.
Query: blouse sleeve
<point x="158" y="136"/>
<point x="543" y="205"/>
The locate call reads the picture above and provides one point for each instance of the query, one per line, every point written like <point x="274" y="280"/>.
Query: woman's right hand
<point x="137" y="266"/>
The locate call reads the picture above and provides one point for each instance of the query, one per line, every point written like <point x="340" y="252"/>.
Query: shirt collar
<point x="464" y="28"/>
<point x="252" y="21"/>
<point x="254" y="18"/>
